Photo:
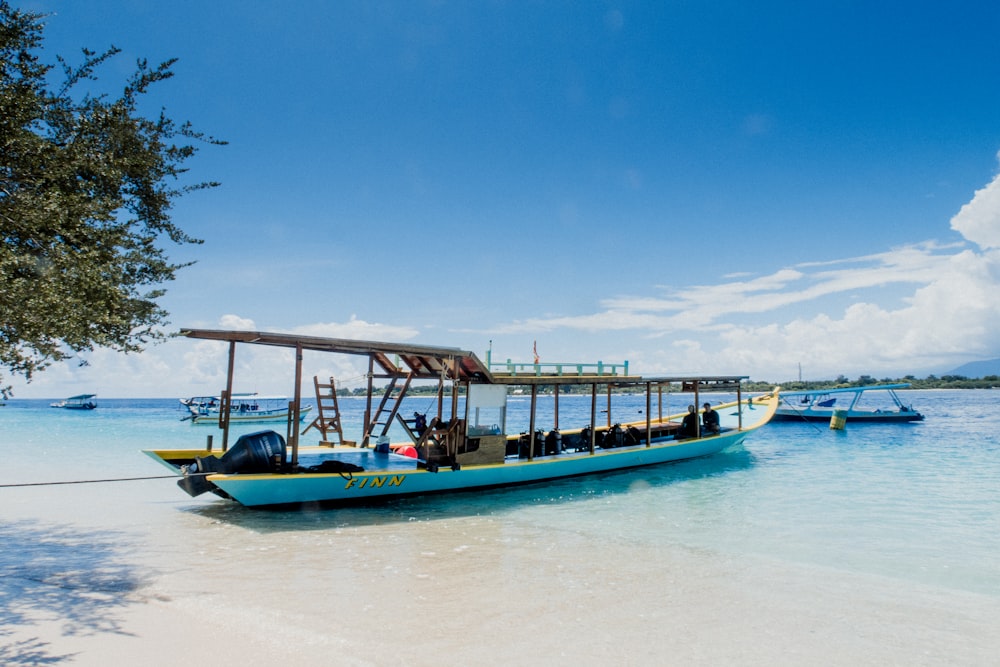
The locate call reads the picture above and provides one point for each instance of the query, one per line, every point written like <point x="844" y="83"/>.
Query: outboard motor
<point x="263" y="451"/>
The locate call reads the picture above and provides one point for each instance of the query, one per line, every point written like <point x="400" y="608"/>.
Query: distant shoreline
<point x="930" y="382"/>
<point x="946" y="382"/>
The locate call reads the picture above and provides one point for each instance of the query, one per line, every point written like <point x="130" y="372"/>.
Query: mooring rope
<point x="800" y="415"/>
<point x="98" y="481"/>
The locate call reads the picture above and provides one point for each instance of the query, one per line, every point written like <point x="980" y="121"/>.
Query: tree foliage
<point x="86" y="187"/>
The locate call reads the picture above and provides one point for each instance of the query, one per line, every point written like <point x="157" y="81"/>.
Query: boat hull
<point x="250" y="417"/>
<point x="385" y="474"/>
<point x="279" y="489"/>
<point x="853" y="416"/>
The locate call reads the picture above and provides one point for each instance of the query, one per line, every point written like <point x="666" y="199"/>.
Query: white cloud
<point x="979" y="220"/>
<point x="706" y="307"/>
<point x="359" y="330"/>
<point x="237" y="323"/>
<point x="944" y="312"/>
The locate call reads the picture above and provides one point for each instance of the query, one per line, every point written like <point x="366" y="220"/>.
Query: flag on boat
<point x="534" y="349"/>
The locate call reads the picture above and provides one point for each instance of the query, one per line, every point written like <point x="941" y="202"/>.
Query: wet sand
<point x="474" y="592"/>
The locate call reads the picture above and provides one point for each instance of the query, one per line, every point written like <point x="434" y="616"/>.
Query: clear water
<point x="893" y="523"/>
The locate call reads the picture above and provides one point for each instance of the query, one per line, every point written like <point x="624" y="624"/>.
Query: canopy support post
<point x="649" y="417"/>
<point x="368" y="404"/>
<point x="593" y="416"/>
<point x="555" y="423"/>
<point x="739" y="408"/>
<point x="226" y="400"/>
<point x="293" y="430"/>
<point x="609" y="405"/>
<point x="531" y="422"/>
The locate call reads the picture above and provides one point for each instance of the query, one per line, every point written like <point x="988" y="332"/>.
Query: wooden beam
<point x="293" y="430"/>
<point x="224" y="408"/>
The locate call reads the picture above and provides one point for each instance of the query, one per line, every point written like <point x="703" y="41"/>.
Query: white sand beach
<point x="478" y="592"/>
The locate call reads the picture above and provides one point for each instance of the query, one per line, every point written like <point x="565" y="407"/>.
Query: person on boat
<point x="419" y="423"/>
<point x="689" y="425"/>
<point x="710" y="420"/>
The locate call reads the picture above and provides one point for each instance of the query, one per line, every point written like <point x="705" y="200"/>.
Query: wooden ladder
<point x="328" y="418"/>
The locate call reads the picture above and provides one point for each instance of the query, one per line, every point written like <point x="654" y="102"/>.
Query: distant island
<point x="930" y="382"/>
<point x="978" y="369"/>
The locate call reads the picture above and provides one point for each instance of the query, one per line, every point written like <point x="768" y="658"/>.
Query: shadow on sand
<point x="322" y="516"/>
<point x="72" y="577"/>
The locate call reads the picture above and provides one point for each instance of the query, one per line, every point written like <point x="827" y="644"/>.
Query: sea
<point x="876" y="544"/>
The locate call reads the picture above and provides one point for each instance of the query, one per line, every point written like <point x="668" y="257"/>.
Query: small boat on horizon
<point x="80" y="402"/>
<point x="821" y="404"/>
<point x="466" y="445"/>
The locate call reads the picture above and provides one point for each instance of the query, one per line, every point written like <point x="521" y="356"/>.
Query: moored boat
<point x="206" y="401"/>
<point x="80" y="402"/>
<point x="243" y="408"/>
<point x="466" y="444"/>
<point x="870" y="403"/>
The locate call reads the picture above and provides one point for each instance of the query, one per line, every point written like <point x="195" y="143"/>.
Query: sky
<point x="772" y="189"/>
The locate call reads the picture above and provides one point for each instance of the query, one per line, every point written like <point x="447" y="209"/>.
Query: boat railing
<point x="560" y="369"/>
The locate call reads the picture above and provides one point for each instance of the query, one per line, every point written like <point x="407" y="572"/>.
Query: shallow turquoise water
<point x="917" y="502"/>
<point x="873" y="545"/>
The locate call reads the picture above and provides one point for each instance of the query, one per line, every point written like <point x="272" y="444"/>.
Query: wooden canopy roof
<point x="425" y="362"/>
<point x="429" y="362"/>
<point x="704" y="383"/>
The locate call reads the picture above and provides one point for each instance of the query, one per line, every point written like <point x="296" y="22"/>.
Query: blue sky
<point x="721" y="187"/>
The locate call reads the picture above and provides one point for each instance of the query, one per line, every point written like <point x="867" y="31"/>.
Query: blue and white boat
<point x="243" y="408"/>
<point x="466" y="444"/>
<point x="80" y="402"/>
<point x="870" y="403"/>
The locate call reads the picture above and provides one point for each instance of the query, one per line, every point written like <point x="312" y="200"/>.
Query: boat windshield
<point x="486" y="409"/>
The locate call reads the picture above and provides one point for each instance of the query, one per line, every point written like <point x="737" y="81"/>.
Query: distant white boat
<point x="820" y="405"/>
<point x="208" y="401"/>
<point x="243" y="408"/>
<point x="81" y="402"/>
